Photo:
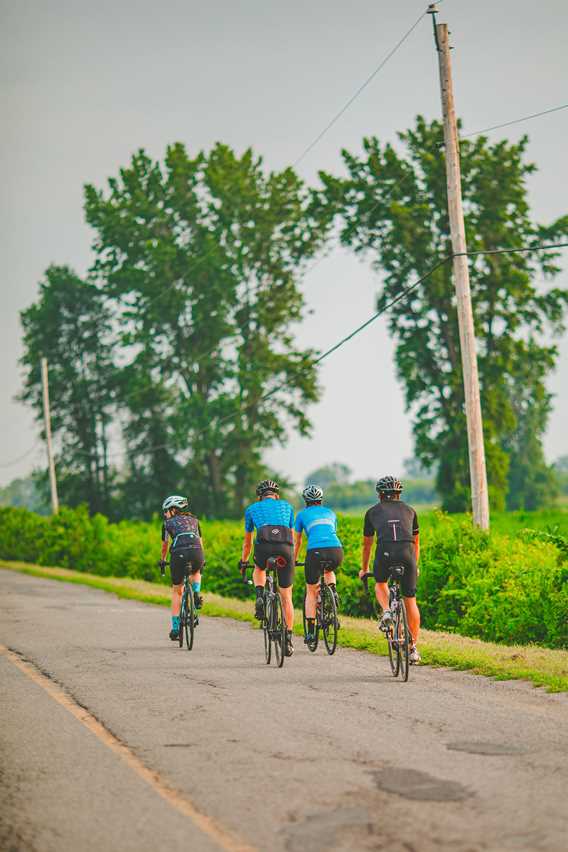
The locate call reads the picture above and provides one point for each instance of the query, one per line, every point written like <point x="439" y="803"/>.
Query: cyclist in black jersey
<point x="395" y="524"/>
<point x="181" y="529"/>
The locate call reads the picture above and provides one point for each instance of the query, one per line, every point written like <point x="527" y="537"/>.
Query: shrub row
<point x="511" y="589"/>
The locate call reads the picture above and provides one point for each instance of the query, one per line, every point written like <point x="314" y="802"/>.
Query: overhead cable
<point x="514" y="121"/>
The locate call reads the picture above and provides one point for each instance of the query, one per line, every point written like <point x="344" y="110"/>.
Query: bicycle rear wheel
<point x="329" y="620"/>
<point x="278" y="631"/>
<point x="403" y="642"/>
<point x="266" y="629"/>
<point x="311" y="645"/>
<point x="189" y="619"/>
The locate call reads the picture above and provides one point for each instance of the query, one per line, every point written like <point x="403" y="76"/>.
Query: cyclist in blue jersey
<point x="324" y="548"/>
<point x="273" y="520"/>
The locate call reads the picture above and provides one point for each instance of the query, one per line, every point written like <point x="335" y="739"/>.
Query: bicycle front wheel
<point x="311" y="645"/>
<point x="278" y="631"/>
<point x="329" y="620"/>
<point x="182" y="618"/>
<point x="403" y="642"/>
<point x="189" y="620"/>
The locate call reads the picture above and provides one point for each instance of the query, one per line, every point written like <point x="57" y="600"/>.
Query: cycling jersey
<point x="183" y="529"/>
<point x="267" y="515"/>
<point x="320" y="524"/>
<point x="391" y="521"/>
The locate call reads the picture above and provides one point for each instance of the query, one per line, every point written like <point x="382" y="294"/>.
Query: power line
<point x="20" y="458"/>
<point x="514" y="121"/>
<point x="356" y="94"/>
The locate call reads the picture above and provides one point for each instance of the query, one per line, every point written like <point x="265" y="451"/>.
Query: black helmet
<point x="267" y="486"/>
<point x="312" y="494"/>
<point x="389" y="484"/>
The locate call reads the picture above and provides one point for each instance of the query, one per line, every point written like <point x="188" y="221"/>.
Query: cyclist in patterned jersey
<point x="182" y="530"/>
<point x="273" y="519"/>
<point x="395" y="525"/>
<point x="320" y="526"/>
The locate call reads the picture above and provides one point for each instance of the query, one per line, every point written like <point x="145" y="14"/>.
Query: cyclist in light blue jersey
<point x="324" y="549"/>
<point x="273" y="520"/>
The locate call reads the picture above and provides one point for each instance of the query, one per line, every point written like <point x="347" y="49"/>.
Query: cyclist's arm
<point x="247" y="546"/>
<point x="366" y="553"/>
<point x="417" y="547"/>
<point x="165" y="547"/>
<point x="297" y="544"/>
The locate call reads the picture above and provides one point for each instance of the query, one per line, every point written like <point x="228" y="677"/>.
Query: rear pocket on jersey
<point x="274" y="534"/>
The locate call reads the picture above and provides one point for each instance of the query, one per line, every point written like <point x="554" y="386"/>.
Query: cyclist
<point x="398" y="543"/>
<point x="273" y="519"/>
<point x="320" y="525"/>
<point x="182" y="530"/>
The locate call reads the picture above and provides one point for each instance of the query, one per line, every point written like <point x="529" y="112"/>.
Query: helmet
<point x="175" y="502"/>
<point x="267" y="486"/>
<point x="312" y="493"/>
<point x="388" y="484"/>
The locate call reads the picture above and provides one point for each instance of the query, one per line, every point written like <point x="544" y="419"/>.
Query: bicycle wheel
<point x="182" y="618"/>
<point x="329" y="620"/>
<point x="393" y="652"/>
<point x="266" y="629"/>
<point x="403" y="642"/>
<point x="311" y="645"/>
<point x="189" y="620"/>
<point x="278" y="631"/>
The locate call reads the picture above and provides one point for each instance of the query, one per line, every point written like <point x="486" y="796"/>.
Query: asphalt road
<point x="112" y="738"/>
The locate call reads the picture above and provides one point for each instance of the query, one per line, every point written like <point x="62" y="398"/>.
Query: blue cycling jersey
<point x="268" y="511"/>
<point x="320" y="524"/>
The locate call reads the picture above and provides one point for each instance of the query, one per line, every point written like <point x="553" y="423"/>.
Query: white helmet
<point x="175" y="502"/>
<point x="312" y="494"/>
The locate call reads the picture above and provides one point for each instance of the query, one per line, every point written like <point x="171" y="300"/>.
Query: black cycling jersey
<point x="391" y="521"/>
<point x="183" y="529"/>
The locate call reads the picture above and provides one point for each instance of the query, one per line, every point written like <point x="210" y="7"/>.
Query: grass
<point x="541" y="666"/>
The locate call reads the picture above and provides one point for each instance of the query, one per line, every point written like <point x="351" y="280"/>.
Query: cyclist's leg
<point x="178" y="568"/>
<point x="408" y="585"/>
<point x="312" y="571"/>
<point x="195" y="568"/>
<point x="259" y="577"/>
<point x="381" y="572"/>
<point x="285" y="581"/>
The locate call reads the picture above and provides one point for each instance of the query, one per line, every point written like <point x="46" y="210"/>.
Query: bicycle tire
<point x="278" y="631"/>
<point x="266" y="630"/>
<point x="403" y="644"/>
<point x="182" y="616"/>
<point x="393" y="653"/>
<point x="329" y="620"/>
<point x="312" y="646"/>
<point x="189" y="620"/>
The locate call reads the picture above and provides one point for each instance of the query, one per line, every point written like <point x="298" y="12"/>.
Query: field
<point x="508" y="586"/>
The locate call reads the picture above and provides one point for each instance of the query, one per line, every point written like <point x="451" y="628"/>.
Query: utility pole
<point x="47" y="422"/>
<point x="478" y="473"/>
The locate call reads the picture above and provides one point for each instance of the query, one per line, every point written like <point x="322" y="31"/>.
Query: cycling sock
<point x="196" y="586"/>
<point x="175" y="622"/>
<point x="259" y="591"/>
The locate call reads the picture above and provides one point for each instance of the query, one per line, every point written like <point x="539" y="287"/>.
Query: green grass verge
<point x="541" y="666"/>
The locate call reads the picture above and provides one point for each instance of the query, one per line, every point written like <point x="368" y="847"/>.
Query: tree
<point x="202" y="258"/>
<point x="393" y="206"/>
<point x="69" y="325"/>
<point x="335" y="473"/>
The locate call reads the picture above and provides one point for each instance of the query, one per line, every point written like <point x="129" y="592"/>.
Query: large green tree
<point x="392" y="206"/>
<point x="201" y="258"/>
<point x="69" y="325"/>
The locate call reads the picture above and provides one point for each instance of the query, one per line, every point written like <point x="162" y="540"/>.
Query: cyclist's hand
<point x="162" y="566"/>
<point x="363" y="573"/>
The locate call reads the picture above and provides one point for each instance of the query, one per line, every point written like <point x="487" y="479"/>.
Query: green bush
<point x="504" y="588"/>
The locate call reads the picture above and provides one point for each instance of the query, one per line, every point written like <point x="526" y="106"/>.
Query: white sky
<point x="83" y="85"/>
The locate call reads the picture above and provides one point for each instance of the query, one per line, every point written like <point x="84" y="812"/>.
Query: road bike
<point x="273" y="624"/>
<point x="326" y="614"/>
<point x="397" y="633"/>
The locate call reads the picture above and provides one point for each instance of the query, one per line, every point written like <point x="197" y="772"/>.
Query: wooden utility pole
<point x="47" y="422"/>
<point x="478" y="473"/>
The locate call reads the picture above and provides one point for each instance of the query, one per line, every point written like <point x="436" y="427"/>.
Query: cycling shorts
<point x="262" y="552"/>
<point x="398" y="553"/>
<point x="184" y="561"/>
<point x="315" y="560"/>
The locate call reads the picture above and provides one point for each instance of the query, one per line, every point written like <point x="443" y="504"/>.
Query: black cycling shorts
<point x="316" y="562"/>
<point x="398" y="553"/>
<point x="184" y="561"/>
<point x="263" y="551"/>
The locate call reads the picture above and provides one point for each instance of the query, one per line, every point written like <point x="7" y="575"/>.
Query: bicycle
<point x="273" y="624"/>
<point x="397" y="634"/>
<point x="188" y="617"/>
<point x="326" y="614"/>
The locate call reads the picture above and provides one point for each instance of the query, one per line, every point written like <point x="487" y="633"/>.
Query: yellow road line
<point x="183" y="804"/>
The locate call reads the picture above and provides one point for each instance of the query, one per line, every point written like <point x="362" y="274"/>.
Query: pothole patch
<point x="486" y="748"/>
<point x="419" y="786"/>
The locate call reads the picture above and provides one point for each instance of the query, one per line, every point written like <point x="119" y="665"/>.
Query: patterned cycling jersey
<point x="183" y="529"/>
<point x="320" y="524"/>
<point x="269" y="512"/>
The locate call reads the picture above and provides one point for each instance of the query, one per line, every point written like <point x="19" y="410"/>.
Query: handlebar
<point x="243" y="567"/>
<point x="365" y="580"/>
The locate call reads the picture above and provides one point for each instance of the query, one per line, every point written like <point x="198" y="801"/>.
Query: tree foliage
<point x="392" y="206"/>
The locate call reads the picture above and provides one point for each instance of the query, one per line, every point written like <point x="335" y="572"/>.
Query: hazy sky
<point x="84" y="84"/>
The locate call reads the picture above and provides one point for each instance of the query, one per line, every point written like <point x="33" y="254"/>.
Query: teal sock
<point x="196" y="586"/>
<point x="175" y="622"/>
